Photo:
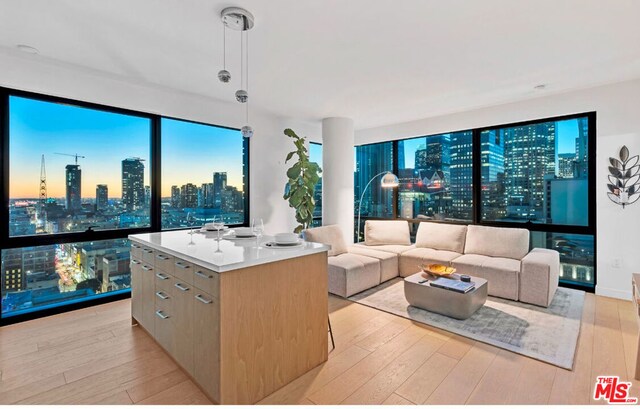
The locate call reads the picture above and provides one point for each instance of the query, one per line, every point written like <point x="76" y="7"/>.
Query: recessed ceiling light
<point x="540" y="87"/>
<point x="27" y="49"/>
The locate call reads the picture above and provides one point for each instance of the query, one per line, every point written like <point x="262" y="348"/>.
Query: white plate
<point x="232" y="236"/>
<point x="225" y="228"/>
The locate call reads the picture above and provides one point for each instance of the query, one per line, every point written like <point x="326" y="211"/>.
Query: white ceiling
<point x="377" y="61"/>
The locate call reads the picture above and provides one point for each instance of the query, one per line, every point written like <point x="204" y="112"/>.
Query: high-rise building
<point x="370" y="160"/>
<point x="525" y="178"/>
<point x="133" y="196"/>
<point x="209" y="195"/>
<point x="582" y="147"/>
<point x="12" y="275"/>
<point x="147" y="194"/>
<point x="219" y="185"/>
<point x="102" y="197"/>
<point x="567" y="164"/>
<point x="461" y="175"/>
<point x="492" y="175"/>
<point x="73" y="179"/>
<point x="189" y="195"/>
<point x="175" y="197"/>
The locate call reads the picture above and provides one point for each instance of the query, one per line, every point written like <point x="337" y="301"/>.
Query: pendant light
<point x="241" y="20"/>
<point x="223" y="74"/>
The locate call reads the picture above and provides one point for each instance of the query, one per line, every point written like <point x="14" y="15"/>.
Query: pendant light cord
<point x="224" y="46"/>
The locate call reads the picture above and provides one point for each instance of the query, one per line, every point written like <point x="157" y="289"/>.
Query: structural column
<point x="337" y="174"/>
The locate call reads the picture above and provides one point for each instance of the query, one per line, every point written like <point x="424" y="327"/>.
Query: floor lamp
<point x="389" y="180"/>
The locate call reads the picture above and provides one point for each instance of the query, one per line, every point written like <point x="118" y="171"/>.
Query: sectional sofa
<point x="499" y="255"/>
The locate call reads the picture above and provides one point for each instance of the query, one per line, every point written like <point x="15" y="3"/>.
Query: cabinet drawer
<point x="183" y="303"/>
<point x="183" y="270"/>
<point x="136" y="251"/>
<point x="164" y="262"/>
<point x="164" y="281"/>
<point x="163" y="301"/>
<point x="206" y="280"/>
<point x="163" y="329"/>
<point x="148" y="255"/>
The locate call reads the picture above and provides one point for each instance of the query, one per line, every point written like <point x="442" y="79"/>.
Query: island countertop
<point x="225" y="255"/>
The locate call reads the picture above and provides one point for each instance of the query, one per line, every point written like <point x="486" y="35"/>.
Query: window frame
<point x="589" y="229"/>
<point x="155" y="143"/>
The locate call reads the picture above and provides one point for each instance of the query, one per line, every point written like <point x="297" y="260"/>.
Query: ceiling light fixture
<point x="27" y="49"/>
<point x="241" y="20"/>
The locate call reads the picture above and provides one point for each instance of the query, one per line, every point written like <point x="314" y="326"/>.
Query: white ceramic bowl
<point x="286" y="238"/>
<point x="243" y="231"/>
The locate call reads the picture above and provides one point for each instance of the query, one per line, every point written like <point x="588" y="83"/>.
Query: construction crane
<point x="75" y="155"/>
<point x="43" y="182"/>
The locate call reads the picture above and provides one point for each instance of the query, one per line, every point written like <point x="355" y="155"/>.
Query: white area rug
<point x="547" y="334"/>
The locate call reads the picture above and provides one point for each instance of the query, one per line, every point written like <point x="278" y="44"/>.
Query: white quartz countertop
<point x="225" y="255"/>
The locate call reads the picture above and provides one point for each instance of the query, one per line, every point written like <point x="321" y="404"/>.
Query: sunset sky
<point x="191" y="152"/>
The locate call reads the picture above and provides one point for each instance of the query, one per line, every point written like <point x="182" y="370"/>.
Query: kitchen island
<point x="242" y="319"/>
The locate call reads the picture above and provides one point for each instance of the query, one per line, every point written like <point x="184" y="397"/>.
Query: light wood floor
<point x="94" y="356"/>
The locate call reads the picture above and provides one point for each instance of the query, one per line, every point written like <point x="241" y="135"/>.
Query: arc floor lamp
<point x="389" y="180"/>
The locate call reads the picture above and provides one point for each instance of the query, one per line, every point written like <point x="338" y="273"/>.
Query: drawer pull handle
<point x="162" y="257"/>
<point x="181" y="287"/>
<point x="135" y="246"/>
<point x="181" y="265"/>
<point x="146" y="268"/>
<point x="136" y="262"/>
<point x="203" y="275"/>
<point x="162" y="295"/>
<point x="162" y="315"/>
<point x="203" y="300"/>
<point x="162" y="276"/>
<point x="149" y="251"/>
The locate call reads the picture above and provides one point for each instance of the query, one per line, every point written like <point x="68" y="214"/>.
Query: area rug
<point x="547" y="334"/>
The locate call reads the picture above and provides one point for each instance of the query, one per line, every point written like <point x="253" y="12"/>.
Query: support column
<point x="337" y="174"/>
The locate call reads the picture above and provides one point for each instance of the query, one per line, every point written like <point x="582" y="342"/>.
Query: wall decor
<point x="624" y="178"/>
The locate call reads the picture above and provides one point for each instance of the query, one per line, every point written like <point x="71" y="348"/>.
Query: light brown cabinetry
<point x="240" y="334"/>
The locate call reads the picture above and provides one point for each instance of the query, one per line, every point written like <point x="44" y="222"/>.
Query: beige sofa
<point x="499" y="255"/>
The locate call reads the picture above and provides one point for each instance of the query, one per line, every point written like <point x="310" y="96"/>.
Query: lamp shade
<point x="389" y="180"/>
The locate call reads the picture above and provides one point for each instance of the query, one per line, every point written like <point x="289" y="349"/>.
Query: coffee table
<point x="446" y="302"/>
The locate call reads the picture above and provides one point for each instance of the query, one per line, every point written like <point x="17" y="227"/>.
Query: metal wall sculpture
<point x="624" y="178"/>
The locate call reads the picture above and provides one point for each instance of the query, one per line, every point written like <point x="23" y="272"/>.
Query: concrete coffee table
<point x="446" y="302"/>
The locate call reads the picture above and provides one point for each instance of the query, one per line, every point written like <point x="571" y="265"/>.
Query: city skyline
<point x="106" y="139"/>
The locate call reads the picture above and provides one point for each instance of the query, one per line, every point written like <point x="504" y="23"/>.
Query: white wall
<point x="269" y="145"/>
<point x="618" y="123"/>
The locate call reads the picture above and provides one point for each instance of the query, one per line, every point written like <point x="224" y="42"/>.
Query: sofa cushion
<point x="441" y="236"/>
<point x="388" y="261"/>
<point x="502" y="274"/>
<point x="352" y="273"/>
<point x="411" y="260"/>
<point x="497" y="242"/>
<point x="331" y="235"/>
<point x="379" y="232"/>
<point x="389" y="248"/>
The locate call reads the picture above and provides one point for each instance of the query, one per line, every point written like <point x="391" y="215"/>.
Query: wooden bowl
<point x="438" y="270"/>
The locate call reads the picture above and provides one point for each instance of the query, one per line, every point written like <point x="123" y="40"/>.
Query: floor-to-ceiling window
<point x="315" y="155"/>
<point x="79" y="178"/>
<point x="536" y="174"/>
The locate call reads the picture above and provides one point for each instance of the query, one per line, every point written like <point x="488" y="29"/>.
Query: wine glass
<point x="257" y="227"/>
<point x="191" y="219"/>
<point x="218" y="224"/>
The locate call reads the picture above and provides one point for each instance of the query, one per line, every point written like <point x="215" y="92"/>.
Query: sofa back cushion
<point x="441" y="236"/>
<point x="497" y="242"/>
<point x="379" y="232"/>
<point x="331" y="235"/>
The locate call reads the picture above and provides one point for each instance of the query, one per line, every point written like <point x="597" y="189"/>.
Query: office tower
<point x="102" y="197"/>
<point x="73" y="187"/>
<point x="582" y="154"/>
<point x="12" y="276"/>
<point x="492" y="175"/>
<point x="189" y="195"/>
<point x="524" y="178"/>
<point x="219" y="185"/>
<point x="133" y="183"/>
<point x="461" y="175"/>
<point x="147" y="194"/>
<point x="209" y="195"/>
<point x="567" y="164"/>
<point x="202" y="191"/>
<point x="175" y="197"/>
<point x="371" y="160"/>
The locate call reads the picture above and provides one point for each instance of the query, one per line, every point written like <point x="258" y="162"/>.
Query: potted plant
<point x="303" y="177"/>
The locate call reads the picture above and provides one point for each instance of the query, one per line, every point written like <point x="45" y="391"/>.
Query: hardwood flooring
<point x="94" y="356"/>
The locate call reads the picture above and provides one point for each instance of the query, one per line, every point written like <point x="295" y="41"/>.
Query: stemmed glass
<point x="257" y="227"/>
<point x="218" y="225"/>
<point x="191" y="219"/>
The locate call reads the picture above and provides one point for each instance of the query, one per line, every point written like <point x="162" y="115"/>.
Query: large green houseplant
<point x="303" y="177"/>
